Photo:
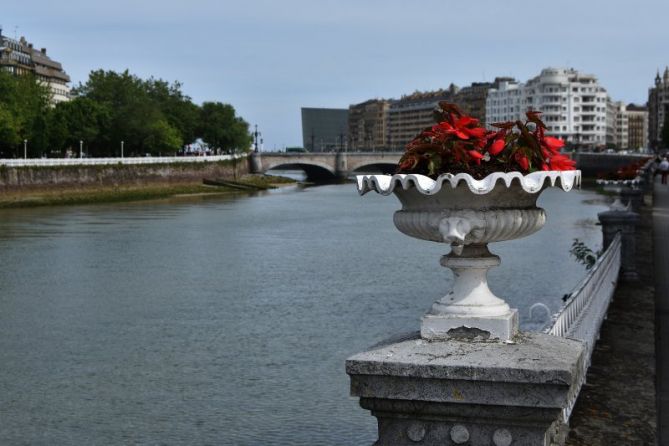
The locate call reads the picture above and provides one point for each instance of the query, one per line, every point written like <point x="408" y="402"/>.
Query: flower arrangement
<point x="459" y="144"/>
<point x="626" y="172"/>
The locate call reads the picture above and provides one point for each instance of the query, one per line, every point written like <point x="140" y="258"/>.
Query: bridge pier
<point x="255" y="163"/>
<point x="341" y="166"/>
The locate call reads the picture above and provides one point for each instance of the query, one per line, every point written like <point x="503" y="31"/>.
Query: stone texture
<point x="624" y="222"/>
<point x="433" y="392"/>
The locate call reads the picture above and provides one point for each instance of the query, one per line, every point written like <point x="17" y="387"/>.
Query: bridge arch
<point x="315" y="172"/>
<point x="383" y="167"/>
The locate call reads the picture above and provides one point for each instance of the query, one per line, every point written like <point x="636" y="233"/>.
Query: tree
<point x="220" y="128"/>
<point x="81" y="119"/>
<point x="177" y="108"/>
<point x="135" y="114"/>
<point x="24" y="105"/>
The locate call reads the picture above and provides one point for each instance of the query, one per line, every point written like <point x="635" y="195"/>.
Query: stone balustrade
<point x="469" y="390"/>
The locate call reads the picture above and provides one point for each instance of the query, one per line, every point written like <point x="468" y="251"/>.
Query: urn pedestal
<point x="467" y="214"/>
<point x="468" y="378"/>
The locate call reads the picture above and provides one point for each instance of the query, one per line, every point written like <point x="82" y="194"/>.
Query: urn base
<point x="467" y="327"/>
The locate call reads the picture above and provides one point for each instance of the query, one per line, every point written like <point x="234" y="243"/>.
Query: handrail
<point x="582" y="315"/>
<point x="39" y="162"/>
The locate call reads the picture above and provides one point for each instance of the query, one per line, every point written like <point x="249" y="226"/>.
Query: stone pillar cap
<point x="532" y="358"/>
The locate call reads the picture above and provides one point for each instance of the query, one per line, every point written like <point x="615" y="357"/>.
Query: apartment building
<point x="637" y="124"/>
<point x="573" y="105"/>
<point x="617" y="125"/>
<point x="367" y="125"/>
<point x="412" y="113"/>
<point x="19" y="57"/>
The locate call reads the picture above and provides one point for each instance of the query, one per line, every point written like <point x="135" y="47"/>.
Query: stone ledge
<point x="531" y="358"/>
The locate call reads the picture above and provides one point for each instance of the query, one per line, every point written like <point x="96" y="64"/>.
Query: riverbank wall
<point x="38" y="178"/>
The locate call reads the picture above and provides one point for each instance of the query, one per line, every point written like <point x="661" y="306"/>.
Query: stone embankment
<point x="31" y="186"/>
<point x="26" y="177"/>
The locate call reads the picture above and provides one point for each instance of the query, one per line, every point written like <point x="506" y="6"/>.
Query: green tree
<point x="221" y="129"/>
<point x="9" y="131"/>
<point x="177" y="108"/>
<point x="81" y="119"/>
<point x="24" y="106"/>
<point x="135" y="114"/>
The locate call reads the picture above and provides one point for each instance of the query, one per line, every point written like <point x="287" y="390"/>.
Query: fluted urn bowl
<point x="468" y="214"/>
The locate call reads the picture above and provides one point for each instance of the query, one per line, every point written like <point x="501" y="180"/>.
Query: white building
<point x="573" y="105"/>
<point x="20" y="58"/>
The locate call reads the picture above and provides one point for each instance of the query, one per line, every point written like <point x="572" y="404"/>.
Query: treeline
<point x="150" y="116"/>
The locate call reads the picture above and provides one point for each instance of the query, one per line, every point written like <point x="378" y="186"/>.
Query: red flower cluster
<point x="627" y="172"/>
<point x="458" y="143"/>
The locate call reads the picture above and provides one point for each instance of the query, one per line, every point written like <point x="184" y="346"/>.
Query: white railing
<point x="582" y="315"/>
<point x="30" y="162"/>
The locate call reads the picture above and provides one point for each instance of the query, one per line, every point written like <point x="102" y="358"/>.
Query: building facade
<point x="617" y="125"/>
<point x="658" y="109"/>
<point x="410" y="114"/>
<point x="367" y="125"/>
<point x="20" y="58"/>
<point x="324" y="129"/>
<point x="573" y="105"/>
<point x="637" y="124"/>
<point x="472" y="98"/>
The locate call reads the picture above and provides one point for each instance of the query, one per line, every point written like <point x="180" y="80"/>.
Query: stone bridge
<point x="325" y="167"/>
<point x="329" y="167"/>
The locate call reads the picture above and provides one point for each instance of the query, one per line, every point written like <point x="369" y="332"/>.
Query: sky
<point x="270" y="58"/>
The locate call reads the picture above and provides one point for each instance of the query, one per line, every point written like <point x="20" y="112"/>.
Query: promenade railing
<point x="582" y="314"/>
<point x="41" y="162"/>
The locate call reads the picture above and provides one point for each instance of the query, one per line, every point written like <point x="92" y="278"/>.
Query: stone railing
<point x="582" y="315"/>
<point x="42" y="162"/>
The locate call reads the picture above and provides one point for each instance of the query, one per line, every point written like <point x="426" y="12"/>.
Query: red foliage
<point x="458" y="143"/>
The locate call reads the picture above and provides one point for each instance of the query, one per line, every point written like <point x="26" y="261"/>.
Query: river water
<point x="227" y="320"/>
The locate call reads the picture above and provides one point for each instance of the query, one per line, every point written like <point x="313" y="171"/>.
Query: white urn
<point x="468" y="214"/>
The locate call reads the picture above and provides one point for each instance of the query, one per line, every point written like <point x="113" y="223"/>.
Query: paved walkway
<point x="661" y="260"/>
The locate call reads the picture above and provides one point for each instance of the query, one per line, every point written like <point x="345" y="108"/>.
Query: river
<point x="227" y="320"/>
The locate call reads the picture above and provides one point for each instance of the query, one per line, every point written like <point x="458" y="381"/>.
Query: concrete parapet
<point x="633" y="196"/>
<point x="467" y="392"/>
<point x="625" y="222"/>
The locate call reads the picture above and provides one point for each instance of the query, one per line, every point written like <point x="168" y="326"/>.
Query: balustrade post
<point x="633" y="196"/>
<point x="469" y="392"/>
<point x="625" y="222"/>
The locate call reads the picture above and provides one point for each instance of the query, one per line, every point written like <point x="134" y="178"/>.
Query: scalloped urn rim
<point x="531" y="183"/>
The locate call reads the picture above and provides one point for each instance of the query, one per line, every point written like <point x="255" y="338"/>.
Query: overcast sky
<point x="270" y="58"/>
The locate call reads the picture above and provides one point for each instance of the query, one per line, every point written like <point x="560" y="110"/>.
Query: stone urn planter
<point x="467" y="214"/>
<point x="627" y="193"/>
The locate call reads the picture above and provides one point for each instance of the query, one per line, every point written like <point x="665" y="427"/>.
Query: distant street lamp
<point x="25" y="149"/>
<point x="81" y="149"/>
<point x="121" y="149"/>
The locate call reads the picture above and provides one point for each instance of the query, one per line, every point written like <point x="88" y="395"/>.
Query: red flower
<point x="553" y="144"/>
<point x="408" y="163"/>
<point x="478" y="156"/>
<point x="522" y="161"/>
<point x="497" y="146"/>
<point x="562" y="162"/>
<point x="458" y="143"/>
